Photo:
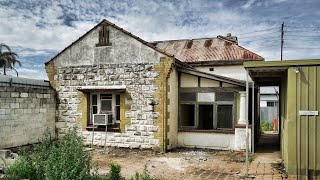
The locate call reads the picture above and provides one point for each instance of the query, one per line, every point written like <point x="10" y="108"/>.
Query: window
<point x="105" y="104"/>
<point x="224" y="116"/>
<point x="117" y="107"/>
<point x="206" y="110"/>
<point x="205" y="116"/>
<point x="187" y="115"/>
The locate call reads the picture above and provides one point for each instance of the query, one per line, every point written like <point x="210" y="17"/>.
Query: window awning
<point x="114" y="88"/>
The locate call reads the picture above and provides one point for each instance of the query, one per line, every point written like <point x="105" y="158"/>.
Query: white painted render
<point x="206" y="140"/>
<point x="209" y="83"/>
<point x="188" y="80"/>
<point x="235" y="72"/>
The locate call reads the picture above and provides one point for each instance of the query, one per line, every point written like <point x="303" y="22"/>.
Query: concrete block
<point x="10" y="100"/>
<point x="5" y="94"/>
<point x="24" y="95"/>
<point x="14" y="105"/>
<point x="24" y="105"/>
<point x="2" y="111"/>
<point x="15" y="94"/>
<point x="18" y="111"/>
<point x="39" y="95"/>
<point x="4" y="105"/>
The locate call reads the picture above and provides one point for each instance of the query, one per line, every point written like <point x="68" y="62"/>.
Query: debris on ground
<point x="181" y="163"/>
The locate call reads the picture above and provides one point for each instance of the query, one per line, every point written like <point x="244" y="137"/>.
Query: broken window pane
<point x="187" y="114"/>
<point x="188" y="96"/>
<point x="224" y="116"/>
<point x="205" y="116"/>
<point x="224" y="96"/>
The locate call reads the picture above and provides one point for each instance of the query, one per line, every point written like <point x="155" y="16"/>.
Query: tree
<point x="8" y="58"/>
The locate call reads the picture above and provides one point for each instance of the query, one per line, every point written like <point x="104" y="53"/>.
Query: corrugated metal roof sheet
<point x="207" y="49"/>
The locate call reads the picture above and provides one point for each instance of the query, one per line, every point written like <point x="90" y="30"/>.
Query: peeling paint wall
<point x="124" y="49"/>
<point x="172" y="128"/>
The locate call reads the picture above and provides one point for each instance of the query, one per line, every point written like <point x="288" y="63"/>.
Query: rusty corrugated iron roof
<point x="206" y="49"/>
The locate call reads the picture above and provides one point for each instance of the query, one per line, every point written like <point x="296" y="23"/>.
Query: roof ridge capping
<point x="228" y="38"/>
<point x="120" y="29"/>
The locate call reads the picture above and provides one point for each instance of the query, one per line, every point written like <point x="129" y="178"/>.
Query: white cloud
<point x="248" y="4"/>
<point x="41" y="29"/>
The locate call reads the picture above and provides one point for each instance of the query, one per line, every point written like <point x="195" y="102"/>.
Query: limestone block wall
<point x="26" y="112"/>
<point x="139" y="120"/>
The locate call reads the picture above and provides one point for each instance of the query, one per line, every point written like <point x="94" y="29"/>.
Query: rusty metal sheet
<point x="206" y="49"/>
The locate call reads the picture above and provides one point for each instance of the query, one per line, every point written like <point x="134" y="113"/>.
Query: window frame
<point x="233" y="113"/>
<point x="195" y="122"/>
<point x="113" y="106"/>
<point x="215" y="104"/>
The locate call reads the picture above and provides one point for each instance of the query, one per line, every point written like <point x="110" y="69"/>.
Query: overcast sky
<point x="39" y="30"/>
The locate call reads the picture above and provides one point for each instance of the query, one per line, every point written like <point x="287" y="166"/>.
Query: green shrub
<point x="63" y="159"/>
<point x="114" y="173"/>
<point x="266" y="126"/>
<point x="67" y="160"/>
<point x="21" y="169"/>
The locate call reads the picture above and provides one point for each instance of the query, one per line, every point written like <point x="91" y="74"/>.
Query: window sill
<point x="217" y="131"/>
<point x="111" y="128"/>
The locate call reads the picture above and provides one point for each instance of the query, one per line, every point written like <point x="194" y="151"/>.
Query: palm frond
<point x="5" y="46"/>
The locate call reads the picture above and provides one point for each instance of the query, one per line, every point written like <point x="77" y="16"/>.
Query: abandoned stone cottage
<point x="159" y="95"/>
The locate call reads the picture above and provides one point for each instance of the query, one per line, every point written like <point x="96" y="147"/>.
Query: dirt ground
<point x="187" y="163"/>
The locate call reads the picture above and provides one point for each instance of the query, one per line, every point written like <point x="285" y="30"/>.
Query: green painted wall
<point x="301" y="134"/>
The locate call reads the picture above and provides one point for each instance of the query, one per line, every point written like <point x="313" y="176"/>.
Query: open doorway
<point x="269" y="140"/>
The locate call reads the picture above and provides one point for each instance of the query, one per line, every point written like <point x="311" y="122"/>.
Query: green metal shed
<point x="299" y="83"/>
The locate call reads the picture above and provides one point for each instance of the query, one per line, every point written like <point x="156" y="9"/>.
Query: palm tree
<point x="8" y="58"/>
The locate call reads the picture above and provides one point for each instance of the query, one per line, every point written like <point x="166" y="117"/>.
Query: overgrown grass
<point x="266" y="126"/>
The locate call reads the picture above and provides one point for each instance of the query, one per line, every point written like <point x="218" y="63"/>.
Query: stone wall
<point x="140" y="120"/>
<point x="27" y="109"/>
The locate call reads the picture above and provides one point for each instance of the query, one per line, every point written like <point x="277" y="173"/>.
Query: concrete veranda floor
<point x="196" y="163"/>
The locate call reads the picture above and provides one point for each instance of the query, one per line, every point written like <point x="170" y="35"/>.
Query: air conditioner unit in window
<point x="102" y="119"/>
